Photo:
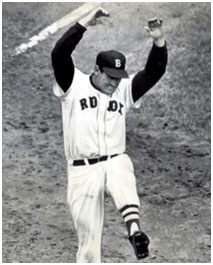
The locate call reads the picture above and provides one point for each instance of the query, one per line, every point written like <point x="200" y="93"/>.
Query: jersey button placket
<point x="102" y="112"/>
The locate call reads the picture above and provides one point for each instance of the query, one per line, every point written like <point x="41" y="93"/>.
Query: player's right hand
<point x="95" y="14"/>
<point x="100" y="12"/>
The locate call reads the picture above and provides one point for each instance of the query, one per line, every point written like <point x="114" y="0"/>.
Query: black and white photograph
<point x="106" y="132"/>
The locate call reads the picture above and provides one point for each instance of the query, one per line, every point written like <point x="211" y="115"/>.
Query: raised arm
<point x="156" y="63"/>
<point x="61" y="55"/>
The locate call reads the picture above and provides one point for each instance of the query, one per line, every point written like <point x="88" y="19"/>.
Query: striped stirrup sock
<point x="130" y="215"/>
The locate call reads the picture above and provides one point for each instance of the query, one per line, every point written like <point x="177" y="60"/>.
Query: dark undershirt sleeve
<point x="151" y="74"/>
<point x="61" y="56"/>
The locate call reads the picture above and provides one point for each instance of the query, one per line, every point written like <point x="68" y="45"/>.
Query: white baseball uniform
<point x="94" y="125"/>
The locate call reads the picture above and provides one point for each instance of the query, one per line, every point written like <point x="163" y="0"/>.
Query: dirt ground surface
<point x="172" y="167"/>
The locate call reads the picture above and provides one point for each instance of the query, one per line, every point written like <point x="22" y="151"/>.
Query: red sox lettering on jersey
<point x="92" y="102"/>
<point x="101" y="118"/>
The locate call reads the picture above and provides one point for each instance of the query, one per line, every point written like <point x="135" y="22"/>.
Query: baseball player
<point x="94" y="109"/>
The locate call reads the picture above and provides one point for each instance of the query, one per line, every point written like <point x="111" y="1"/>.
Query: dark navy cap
<point x="112" y="63"/>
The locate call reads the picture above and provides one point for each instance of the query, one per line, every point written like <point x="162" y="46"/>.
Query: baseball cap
<point x="112" y="63"/>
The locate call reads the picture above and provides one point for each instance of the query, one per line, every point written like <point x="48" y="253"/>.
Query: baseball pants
<point x="86" y="187"/>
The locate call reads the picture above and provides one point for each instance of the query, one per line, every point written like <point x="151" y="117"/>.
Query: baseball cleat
<point x="140" y="242"/>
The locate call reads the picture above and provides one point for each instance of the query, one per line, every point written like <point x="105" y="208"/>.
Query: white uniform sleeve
<point x="58" y="91"/>
<point x="128" y="95"/>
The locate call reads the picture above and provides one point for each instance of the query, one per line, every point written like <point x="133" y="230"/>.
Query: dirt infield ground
<point x="169" y="143"/>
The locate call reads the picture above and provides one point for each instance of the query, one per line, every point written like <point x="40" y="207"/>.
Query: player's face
<point x="106" y="83"/>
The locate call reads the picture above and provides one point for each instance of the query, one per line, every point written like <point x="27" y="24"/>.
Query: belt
<point x="92" y="161"/>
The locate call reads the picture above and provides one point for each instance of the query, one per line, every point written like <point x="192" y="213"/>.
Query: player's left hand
<point x="154" y="28"/>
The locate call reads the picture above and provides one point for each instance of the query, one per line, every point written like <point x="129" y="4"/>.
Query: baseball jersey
<point x="94" y="124"/>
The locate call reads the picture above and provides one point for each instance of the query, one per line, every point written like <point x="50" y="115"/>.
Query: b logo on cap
<point x="117" y="63"/>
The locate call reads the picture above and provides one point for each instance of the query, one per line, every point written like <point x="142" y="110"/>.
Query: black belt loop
<point x="92" y="161"/>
